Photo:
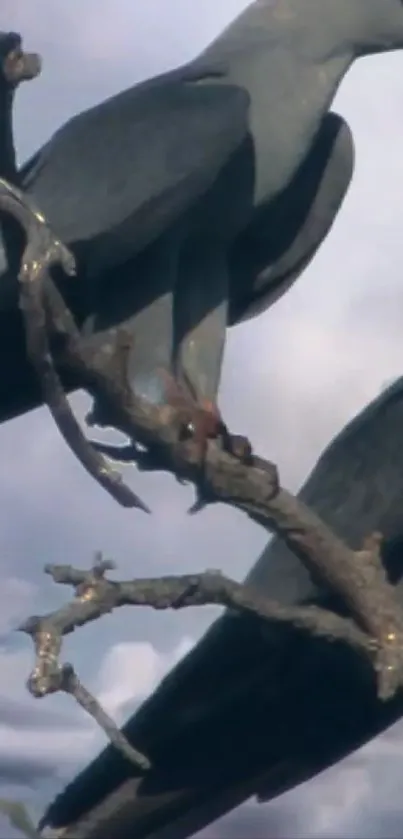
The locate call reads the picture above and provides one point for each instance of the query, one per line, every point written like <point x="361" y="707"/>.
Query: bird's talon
<point x="241" y="448"/>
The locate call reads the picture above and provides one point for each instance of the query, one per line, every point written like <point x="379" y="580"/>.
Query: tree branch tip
<point x="373" y="542"/>
<point x="59" y="573"/>
<point x="101" y="566"/>
<point x="199" y="505"/>
<point x="144" y="508"/>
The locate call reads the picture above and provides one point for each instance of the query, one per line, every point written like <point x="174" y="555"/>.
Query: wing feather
<point x="117" y="175"/>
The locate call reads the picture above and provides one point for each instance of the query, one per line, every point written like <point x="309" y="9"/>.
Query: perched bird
<point x="256" y="709"/>
<point x="196" y="198"/>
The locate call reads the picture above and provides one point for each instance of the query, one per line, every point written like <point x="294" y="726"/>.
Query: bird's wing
<point x="283" y="237"/>
<point x="117" y="175"/>
<point x="253" y="709"/>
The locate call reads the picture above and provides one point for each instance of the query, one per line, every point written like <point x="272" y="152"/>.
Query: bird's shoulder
<point x="136" y="116"/>
<point x="139" y="159"/>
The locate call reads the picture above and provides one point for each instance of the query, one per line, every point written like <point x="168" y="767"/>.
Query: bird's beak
<point x="21" y="66"/>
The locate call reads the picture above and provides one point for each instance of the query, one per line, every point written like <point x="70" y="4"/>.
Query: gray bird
<point x="253" y="709"/>
<point x="195" y="199"/>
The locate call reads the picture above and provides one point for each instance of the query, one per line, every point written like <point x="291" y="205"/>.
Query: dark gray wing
<point x="255" y="710"/>
<point x="283" y="237"/>
<point x="117" y="175"/>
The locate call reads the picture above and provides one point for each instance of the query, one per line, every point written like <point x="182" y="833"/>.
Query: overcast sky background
<point x="343" y="321"/>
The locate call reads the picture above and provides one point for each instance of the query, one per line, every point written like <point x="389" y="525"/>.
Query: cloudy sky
<point x="342" y="321"/>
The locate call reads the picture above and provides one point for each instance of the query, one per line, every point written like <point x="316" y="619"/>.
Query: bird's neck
<point x="314" y="30"/>
<point x="8" y="164"/>
<point x="335" y="27"/>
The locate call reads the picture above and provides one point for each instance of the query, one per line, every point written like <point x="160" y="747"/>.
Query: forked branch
<point x="250" y="484"/>
<point x="95" y="595"/>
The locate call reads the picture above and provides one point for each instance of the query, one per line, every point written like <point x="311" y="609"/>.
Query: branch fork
<point x="251" y="484"/>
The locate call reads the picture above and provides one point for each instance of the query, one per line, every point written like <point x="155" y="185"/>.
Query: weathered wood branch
<point x="96" y="595"/>
<point x="246" y="482"/>
<point x="251" y="485"/>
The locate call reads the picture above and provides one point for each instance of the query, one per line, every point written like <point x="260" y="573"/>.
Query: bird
<point x="253" y="710"/>
<point x="195" y="199"/>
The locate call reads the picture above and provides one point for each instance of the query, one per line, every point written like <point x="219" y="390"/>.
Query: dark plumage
<point x="185" y="207"/>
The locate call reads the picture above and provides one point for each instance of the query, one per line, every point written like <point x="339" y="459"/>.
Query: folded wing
<point x="117" y="175"/>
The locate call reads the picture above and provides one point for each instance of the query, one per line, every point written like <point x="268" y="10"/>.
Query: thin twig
<point x="42" y="252"/>
<point x="71" y="684"/>
<point x="50" y="676"/>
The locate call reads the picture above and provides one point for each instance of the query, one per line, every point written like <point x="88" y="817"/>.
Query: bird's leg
<point x="178" y="338"/>
<point x="150" y="361"/>
<point x="200" y="326"/>
<point x="172" y="299"/>
<point x="147" y="292"/>
<point x="175" y="340"/>
<point x="201" y="317"/>
<point x="167" y="299"/>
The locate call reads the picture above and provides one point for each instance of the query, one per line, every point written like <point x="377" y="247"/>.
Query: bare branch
<point x="249" y="484"/>
<point x="95" y="596"/>
<point x="71" y="684"/>
<point x="42" y="252"/>
<point x="50" y="676"/>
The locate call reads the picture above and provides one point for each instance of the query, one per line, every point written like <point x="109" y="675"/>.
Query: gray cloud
<point x="386" y="823"/>
<point x="251" y="821"/>
<point x="26" y="772"/>
<point x="16" y="714"/>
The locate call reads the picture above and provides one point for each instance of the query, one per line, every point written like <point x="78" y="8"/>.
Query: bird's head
<point x="16" y="65"/>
